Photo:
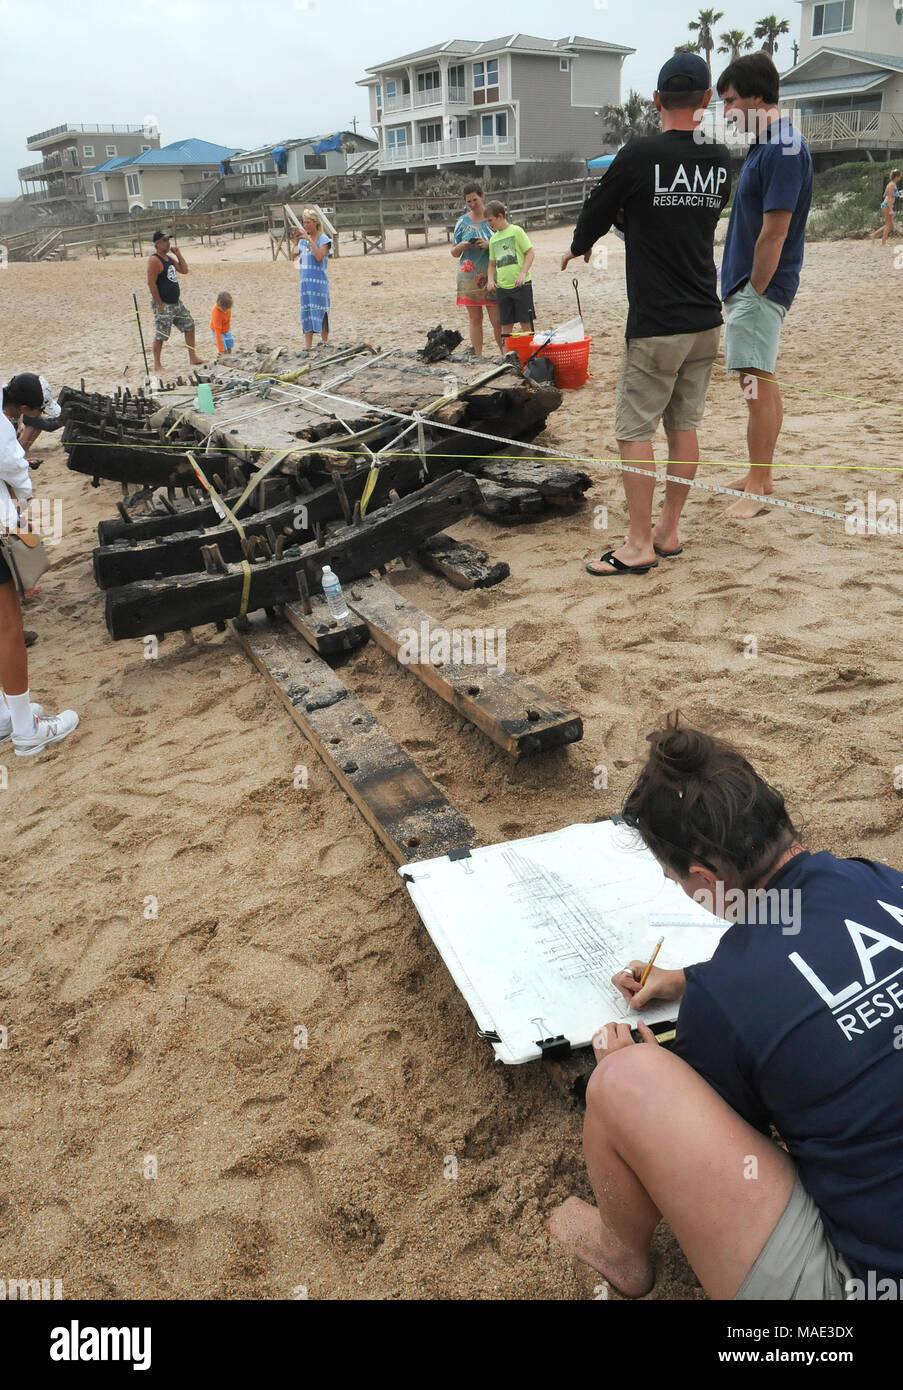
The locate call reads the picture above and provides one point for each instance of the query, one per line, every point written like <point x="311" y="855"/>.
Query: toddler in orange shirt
<point x="221" y="322"/>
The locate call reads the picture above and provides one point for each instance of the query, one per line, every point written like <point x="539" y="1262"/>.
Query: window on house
<point x="133" y="184"/>
<point x="391" y="90"/>
<point x="494" y="127"/>
<point x="145" y="148"/>
<point x="486" y="81"/>
<point x="405" y="87"/>
<point x="564" y="64"/>
<point x="430" y="133"/>
<point x="315" y="161"/>
<point x="833" y="18"/>
<point x="73" y="157"/>
<point x="462" y="127"/>
<point x="429" y="82"/>
<point x="88" y="151"/>
<point x="397" y="137"/>
<point x="98" y="190"/>
<point x="456" y="82"/>
<point x="111" y="151"/>
<point x="379" y="96"/>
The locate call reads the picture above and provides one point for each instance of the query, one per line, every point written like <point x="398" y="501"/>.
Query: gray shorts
<point x="752" y="330"/>
<point x="664" y="378"/>
<point x="797" y="1261"/>
<point x="167" y="316"/>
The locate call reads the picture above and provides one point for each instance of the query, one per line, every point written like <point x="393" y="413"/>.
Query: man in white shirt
<point x="26" y="723"/>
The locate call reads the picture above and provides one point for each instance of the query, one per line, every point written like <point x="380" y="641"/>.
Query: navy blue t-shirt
<point x="776" y="175"/>
<point x="805" y="1030"/>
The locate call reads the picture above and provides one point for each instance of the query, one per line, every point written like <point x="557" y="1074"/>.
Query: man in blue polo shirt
<point x="763" y="255"/>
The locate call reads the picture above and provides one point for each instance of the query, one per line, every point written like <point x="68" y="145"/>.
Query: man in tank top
<point x="163" y="272"/>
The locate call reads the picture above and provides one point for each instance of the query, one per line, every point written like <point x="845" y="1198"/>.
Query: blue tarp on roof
<point x="601" y="161"/>
<point x="329" y="142"/>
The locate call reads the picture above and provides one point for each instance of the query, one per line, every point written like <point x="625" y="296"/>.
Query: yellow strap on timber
<point x="176" y="422"/>
<point x="369" y="485"/>
<point x="214" y="496"/>
<point x="245" y="588"/>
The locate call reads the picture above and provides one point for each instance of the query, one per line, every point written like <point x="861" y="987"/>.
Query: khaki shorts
<point x="797" y="1261"/>
<point x="664" y="378"/>
<point x="752" y="330"/>
<point x="167" y="316"/>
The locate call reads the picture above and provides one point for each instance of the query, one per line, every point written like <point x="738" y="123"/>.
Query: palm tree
<point x="686" y="48"/>
<point x="734" y="42"/>
<point x="768" y="28"/>
<point x="704" y="26"/>
<point x="636" y="116"/>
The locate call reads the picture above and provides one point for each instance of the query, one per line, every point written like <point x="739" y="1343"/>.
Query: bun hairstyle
<point x="698" y="800"/>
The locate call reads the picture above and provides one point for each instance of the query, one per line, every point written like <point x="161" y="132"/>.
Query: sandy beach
<point x="174" y="907"/>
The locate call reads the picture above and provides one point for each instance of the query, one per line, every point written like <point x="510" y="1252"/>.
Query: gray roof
<point x="523" y="43"/>
<point x="878" y="60"/>
<point x="858" y="83"/>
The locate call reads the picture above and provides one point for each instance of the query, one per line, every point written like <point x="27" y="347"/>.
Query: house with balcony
<point x="846" y="88"/>
<point x="55" y="184"/>
<point x="490" y="108"/>
<point x="172" y="176"/>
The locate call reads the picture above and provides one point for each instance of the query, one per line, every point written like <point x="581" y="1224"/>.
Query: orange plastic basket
<point x="570" y="361"/>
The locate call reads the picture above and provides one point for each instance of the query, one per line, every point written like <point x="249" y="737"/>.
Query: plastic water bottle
<point x="332" y="591"/>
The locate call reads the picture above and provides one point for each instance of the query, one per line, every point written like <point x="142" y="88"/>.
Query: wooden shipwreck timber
<point x="348" y="457"/>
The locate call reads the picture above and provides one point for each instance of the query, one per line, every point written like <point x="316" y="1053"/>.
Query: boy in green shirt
<point x="511" y="255"/>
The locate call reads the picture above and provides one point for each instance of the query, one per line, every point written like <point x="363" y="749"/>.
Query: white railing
<point x="458" y="94"/>
<point x="435" y="151"/>
<point x="397" y="103"/>
<point x="850" y="127"/>
<point x="432" y="96"/>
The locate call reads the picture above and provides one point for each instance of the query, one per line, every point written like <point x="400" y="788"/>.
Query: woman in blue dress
<point x="312" y="248"/>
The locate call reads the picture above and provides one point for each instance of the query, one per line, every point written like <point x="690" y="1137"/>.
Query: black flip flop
<point x="667" y="554"/>
<point x="619" y="567"/>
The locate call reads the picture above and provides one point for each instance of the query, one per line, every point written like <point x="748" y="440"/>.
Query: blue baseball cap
<point x="685" y="72"/>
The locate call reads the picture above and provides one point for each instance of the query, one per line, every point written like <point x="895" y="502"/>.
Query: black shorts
<point x="516" y="305"/>
<point x="6" y="574"/>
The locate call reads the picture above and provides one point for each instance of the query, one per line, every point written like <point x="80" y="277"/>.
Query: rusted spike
<point x="271" y="537"/>
<point x="218" y="482"/>
<point x="121" y="509"/>
<point x="213" y="560"/>
<point x="356" y="514"/>
<point x="342" y="495"/>
<point x="303" y="591"/>
<point x="318" y="533"/>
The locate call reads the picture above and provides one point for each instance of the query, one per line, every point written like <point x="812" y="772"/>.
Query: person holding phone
<point x="471" y="251"/>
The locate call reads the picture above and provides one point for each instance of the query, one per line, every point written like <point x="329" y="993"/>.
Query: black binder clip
<point x="554" y="1047"/>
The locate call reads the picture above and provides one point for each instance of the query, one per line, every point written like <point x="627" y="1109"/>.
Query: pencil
<point x="645" y="975"/>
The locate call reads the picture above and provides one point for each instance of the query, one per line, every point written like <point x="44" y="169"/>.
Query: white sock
<point x="21" y="715"/>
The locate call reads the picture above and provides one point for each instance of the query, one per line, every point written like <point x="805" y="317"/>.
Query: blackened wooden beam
<point x="167" y="605"/>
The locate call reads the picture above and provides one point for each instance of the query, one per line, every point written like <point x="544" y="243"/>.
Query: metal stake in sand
<point x="141" y="336"/>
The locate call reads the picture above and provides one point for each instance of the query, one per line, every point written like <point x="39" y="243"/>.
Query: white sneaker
<point x="6" y="723"/>
<point x="48" y="729"/>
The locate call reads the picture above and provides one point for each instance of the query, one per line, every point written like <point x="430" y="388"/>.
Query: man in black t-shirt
<point x="667" y="192"/>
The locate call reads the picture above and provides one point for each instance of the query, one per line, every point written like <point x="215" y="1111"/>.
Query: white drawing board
<point x="532" y="931"/>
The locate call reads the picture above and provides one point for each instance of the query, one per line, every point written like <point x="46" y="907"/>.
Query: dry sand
<point x="133" y="1037"/>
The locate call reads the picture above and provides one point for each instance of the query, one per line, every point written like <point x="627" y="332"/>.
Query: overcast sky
<point x="244" y="74"/>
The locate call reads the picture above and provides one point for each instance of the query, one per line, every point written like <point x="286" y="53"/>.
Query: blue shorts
<point x="752" y="330"/>
<point x="228" y="340"/>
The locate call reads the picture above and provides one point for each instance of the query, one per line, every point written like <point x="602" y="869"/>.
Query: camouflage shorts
<point x="167" y="316"/>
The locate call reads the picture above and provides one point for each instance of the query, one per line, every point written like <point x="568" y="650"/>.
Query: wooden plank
<point x="512" y="711"/>
<point x="408" y="812"/>
<point x="322" y="632"/>
<point x="462" y="564"/>
<point x="168" y="605"/>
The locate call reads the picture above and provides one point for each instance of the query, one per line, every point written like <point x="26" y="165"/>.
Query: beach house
<point x="846" y="86"/>
<point x="55" y="185"/>
<point x="493" y="107"/>
<point x="172" y="176"/>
